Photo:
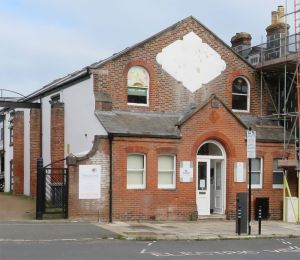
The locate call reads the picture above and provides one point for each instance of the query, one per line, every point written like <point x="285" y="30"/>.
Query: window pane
<point x="239" y="102"/>
<point x="278" y="178"/>
<point x="135" y="161"/>
<point x="255" y="164"/>
<point x="137" y="76"/>
<point x="210" y="149"/>
<point x="240" y="86"/>
<point x="133" y="91"/>
<point x="137" y="99"/>
<point x="135" y="178"/>
<point x="218" y="176"/>
<point x="255" y="178"/>
<point x="202" y="172"/>
<point x="275" y="165"/>
<point x="165" y="178"/>
<point x="165" y="162"/>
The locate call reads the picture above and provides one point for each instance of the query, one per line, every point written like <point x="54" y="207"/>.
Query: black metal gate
<point x="52" y="191"/>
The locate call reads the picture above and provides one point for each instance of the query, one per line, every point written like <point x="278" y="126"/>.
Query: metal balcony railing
<point x="276" y="48"/>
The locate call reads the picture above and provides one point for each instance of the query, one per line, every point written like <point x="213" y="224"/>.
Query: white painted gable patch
<point x="191" y="61"/>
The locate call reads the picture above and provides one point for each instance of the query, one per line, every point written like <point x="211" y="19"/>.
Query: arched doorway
<point x="211" y="178"/>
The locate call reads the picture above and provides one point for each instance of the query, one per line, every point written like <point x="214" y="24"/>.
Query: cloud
<point x="44" y="40"/>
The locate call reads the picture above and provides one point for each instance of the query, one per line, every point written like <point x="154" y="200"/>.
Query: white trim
<point x="168" y="186"/>
<point x="258" y="186"/>
<point x="137" y="186"/>
<point x="145" y="87"/>
<point x="238" y="94"/>
<point x="222" y="157"/>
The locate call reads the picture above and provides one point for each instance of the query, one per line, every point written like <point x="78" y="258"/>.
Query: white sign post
<point x="251" y="154"/>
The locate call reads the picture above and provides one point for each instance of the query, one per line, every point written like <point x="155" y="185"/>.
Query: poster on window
<point x="89" y="181"/>
<point x="186" y="171"/>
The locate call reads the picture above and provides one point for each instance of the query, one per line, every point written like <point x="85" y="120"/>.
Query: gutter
<point x="110" y="139"/>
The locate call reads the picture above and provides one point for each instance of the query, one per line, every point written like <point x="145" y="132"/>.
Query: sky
<point x="42" y="40"/>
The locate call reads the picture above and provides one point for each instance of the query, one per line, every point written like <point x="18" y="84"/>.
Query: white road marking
<point x="290" y="249"/>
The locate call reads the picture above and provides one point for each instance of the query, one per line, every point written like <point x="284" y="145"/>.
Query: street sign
<point x="251" y="144"/>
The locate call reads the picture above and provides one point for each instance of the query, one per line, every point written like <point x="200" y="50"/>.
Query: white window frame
<point x="260" y="185"/>
<point x="136" y="186"/>
<point x="277" y="186"/>
<point x="167" y="186"/>
<point x="143" y="87"/>
<point x="238" y="94"/>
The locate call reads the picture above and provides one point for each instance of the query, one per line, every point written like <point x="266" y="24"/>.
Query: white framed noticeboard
<point x="89" y="181"/>
<point x="186" y="171"/>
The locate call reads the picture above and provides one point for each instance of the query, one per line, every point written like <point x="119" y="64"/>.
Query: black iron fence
<point x="52" y="190"/>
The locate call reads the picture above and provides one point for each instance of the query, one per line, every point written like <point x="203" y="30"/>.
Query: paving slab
<point x="15" y="208"/>
<point x="199" y="230"/>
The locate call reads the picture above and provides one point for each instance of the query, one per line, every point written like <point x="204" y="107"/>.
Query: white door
<point x="218" y="193"/>
<point x="203" y="187"/>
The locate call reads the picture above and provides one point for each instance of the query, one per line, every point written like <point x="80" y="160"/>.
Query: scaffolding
<point x="278" y="61"/>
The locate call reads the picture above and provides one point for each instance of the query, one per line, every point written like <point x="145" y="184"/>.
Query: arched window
<point x="240" y="95"/>
<point x="138" y="86"/>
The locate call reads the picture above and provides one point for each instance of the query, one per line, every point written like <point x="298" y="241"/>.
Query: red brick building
<point x="168" y="131"/>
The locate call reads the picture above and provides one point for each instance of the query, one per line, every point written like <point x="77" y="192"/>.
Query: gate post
<point x="39" y="189"/>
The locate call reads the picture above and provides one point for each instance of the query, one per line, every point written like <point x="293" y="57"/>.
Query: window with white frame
<point x="136" y="171"/>
<point x="166" y="171"/>
<point x="256" y="173"/>
<point x="277" y="175"/>
<point x="138" y="86"/>
<point x="240" y="95"/>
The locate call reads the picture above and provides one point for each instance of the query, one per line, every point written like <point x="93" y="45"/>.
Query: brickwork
<point x="35" y="131"/>
<point x="167" y="94"/>
<point x="18" y="152"/>
<point x="180" y="203"/>
<point x="91" y="209"/>
<point x="57" y="134"/>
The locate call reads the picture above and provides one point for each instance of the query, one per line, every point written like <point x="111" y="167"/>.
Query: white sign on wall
<point x="186" y="171"/>
<point x="89" y="181"/>
<point x="251" y="144"/>
<point x="239" y="172"/>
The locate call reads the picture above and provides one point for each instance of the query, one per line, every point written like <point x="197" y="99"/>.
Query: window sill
<point x="136" y="188"/>
<point x="138" y="104"/>
<point x="277" y="186"/>
<point x="240" y="111"/>
<point x="167" y="188"/>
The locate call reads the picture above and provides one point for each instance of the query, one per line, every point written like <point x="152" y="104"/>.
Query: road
<point x="109" y="249"/>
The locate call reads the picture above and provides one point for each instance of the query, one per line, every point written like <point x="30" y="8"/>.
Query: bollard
<point x="259" y="220"/>
<point x="239" y="215"/>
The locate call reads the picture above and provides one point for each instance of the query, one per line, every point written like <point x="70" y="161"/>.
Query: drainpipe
<point x="41" y="129"/>
<point x="110" y="139"/>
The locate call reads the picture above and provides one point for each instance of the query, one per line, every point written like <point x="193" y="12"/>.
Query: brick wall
<point x="57" y="134"/>
<point x="18" y="152"/>
<point x="35" y="131"/>
<point x="167" y="94"/>
<point x="180" y="203"/>
<point x="91" y="209"/>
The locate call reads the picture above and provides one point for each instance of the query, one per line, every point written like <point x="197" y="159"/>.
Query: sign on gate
<point x="251" y="144"/>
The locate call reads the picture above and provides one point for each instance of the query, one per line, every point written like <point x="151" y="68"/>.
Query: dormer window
<point x="240" y="95"/>
<point x="138" y="86"/>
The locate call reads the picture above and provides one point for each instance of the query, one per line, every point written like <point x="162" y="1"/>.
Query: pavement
<point x="17" y="215"/>
<point x="14" y="208"/>
<point x="199" y="230"/>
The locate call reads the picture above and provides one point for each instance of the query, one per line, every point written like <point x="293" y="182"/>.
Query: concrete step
<point x="212" y="217"/>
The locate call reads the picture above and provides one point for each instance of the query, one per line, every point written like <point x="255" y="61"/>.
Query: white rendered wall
<point x="27" y="152"/>
<point x="81" y="124"/>
<point x="46" y="126"/>
<point x="8" y="153"/>
<point x="191" y="61"/>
